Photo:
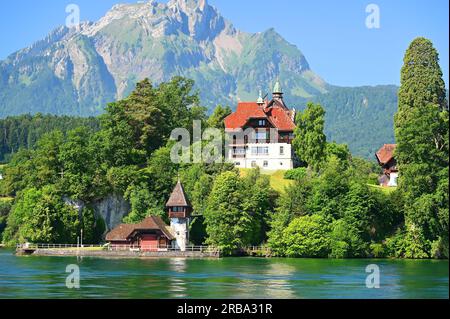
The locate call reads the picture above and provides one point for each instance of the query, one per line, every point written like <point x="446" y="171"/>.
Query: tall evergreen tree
<point x="421" y="130"/>
<point x="310" y="140"/>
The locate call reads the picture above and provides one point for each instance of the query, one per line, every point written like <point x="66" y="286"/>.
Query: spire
<point x="260" y="98"/>
<point x="277" y="93"/>
<point x="178" y="197"/>
<point x="277" y="87"/>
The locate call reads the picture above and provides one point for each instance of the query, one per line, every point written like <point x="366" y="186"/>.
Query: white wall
<point x="393" y="180"/>
<point x="180" y="228"/>
<point x="273" y="160"/>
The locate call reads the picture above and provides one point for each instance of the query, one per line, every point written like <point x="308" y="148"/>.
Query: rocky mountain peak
<point x="189" y="5"/>
<point x="202" y="21"/>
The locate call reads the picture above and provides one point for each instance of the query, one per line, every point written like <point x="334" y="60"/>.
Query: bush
<point x="408" y="243"/>
<point x="296" y="174"/>
<point x="346" y="241"/>
<point x="378" y="250"/>
<point x="5" y="208"/>
<point x="307" y="236"/>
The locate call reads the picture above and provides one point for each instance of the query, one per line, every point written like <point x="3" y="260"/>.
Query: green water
<point x="45" y="277"/>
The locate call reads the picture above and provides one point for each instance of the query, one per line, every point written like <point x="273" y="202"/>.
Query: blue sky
<point x="332" y="34"/>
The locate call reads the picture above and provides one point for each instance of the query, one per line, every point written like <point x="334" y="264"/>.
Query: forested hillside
<point x="24" y="131"/>
<point x="361" y="117"/>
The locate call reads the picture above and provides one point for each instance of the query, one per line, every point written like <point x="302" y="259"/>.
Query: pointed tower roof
<point x="277" y="88"/>
<point x="178" y="197"/>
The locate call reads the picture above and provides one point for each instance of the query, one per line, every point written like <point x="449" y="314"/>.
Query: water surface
<point x="45" y="277"/>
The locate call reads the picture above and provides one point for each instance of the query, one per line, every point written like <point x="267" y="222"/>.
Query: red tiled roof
<point x="121" y="232"/>
<point x="278" y="116"/>
<point x="124" y="231"/>
<point x="281" y="119"/>
<point x="386" y="153"/>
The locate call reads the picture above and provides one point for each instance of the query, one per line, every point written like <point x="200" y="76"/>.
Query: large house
<point x="272" y="126"/>
<point x="153" y="234"/>
<point x="386" y="159"/>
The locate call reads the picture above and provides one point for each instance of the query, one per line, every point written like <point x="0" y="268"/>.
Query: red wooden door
<point x="149" y="243"/>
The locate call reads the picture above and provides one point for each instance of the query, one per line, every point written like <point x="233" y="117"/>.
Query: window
<point x="239" y="151"/>
<point x="253" y="164"/>
<point x="262" y="122"/>
<point x="260" y="150"/>
<point x="261" y="136"/>
<point x="266" y="163"/>
<point x="237" y="163"/>
<point x="281" y="150"/>
<point x="177" y="209"/>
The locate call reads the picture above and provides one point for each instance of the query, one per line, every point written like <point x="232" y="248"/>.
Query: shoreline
<point x="117" y="254"/>
<point x="176" y="254"/>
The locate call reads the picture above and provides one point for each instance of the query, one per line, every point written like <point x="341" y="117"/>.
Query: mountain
<point x="362" y="117"/>
<point x="77" y="71"/>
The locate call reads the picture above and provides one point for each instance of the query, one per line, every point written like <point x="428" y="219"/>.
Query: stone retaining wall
<point x="125" y="253"/>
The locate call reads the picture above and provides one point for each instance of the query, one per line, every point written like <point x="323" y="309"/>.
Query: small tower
<point x="260" y="100"/>
<point x="277" y="93"/>
<point x="179" y="209"/>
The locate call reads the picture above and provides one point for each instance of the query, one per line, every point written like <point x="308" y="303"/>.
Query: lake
<point x="243" y="278"/>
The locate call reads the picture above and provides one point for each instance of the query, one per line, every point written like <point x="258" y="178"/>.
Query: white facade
<point x="393" y="180"/>
<point x="269" y="156"/>
<point x="180" y="229"/>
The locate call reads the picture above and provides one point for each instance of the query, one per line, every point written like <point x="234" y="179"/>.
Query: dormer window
<point x="262" y="122"/>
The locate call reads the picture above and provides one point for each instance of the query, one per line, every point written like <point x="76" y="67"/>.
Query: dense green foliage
<point x="24" y="131"/>
<point x="422" y="133"/>
<point x="237" y="212"/>
<point x="5" y="208"/>
<point x="333" y="213"/>
<point x="310" y="141"/>
<point x="127" y="156"/>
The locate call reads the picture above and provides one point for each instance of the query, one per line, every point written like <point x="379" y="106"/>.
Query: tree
<point x="46" y="158"/>
<point x="346" y="240"/>
<point x="228" y="225"/>
<point x="76" y="157"/>
<point x="259" y="202"/>
<point x="133" y="128"/>
<point x="422" y="133"/>
<point x="41" y="216"/>
<point x="310" y="141"/>
<point x="217" y="117"/>
<point x="307" y="236"/>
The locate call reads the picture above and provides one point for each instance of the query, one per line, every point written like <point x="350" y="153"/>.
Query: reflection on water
<point x="238" y="278"/>
<point x="177" y="284"/>
<point x="278" y="285"/>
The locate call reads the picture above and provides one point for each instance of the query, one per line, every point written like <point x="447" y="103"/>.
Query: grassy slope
<point x="277" y="180"/>
<point x="386" y="190"/>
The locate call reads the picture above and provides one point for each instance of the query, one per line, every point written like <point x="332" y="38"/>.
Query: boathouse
<point x="152" y="234"/>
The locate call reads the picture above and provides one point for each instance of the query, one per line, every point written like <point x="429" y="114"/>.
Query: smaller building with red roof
<point x="153" y="234"/>
<point x="386" y="159"/>
<point x="260" y="133"/>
